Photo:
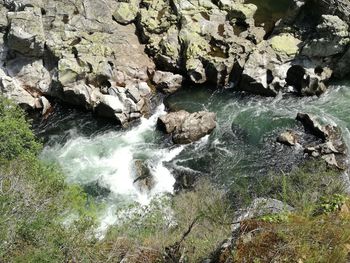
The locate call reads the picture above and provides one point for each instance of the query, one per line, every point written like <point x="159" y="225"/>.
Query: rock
<point x="258" y="208"/>
<point x="76" y="52"/>
<point x="332" y="37"/>
<point x="126" y="12"/>
<point x="312" y="125"/>
<point x="31" y="74"/>
<point x="172" y="121"/>
<point x="285" y="43"/>
<point x="187" y="127"/>
<point x="143" y="177"/>
<point x="339" y="8"/>
<point x="260" y="74"/>
<point x="223" y="254"/>
<point x="342" y="67"/>
<point x="10" y="88"/>
<point x="331" y="160"/>
<point x="288" y="138"/>
<point x="309" y="79"/>
<point x="167" y="82"/>
<point x="26" y="34"/>
<point x="46" y="106"/>
<point x="332" y="149"/>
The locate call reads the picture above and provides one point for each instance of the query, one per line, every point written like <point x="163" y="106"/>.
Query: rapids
<point x="99" y="156"/>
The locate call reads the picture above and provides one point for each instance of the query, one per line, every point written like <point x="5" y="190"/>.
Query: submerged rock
<point x="288" y="138"/>
<point x="187" y="127"/>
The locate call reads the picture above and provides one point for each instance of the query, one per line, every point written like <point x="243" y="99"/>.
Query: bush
<point x="16" y="138"/>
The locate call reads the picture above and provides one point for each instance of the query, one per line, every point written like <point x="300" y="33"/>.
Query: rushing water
<point x="101" y="157"/>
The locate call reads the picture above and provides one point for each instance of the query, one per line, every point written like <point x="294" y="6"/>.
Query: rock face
<point x="219" y="42"/>
<point x="77" y="53"/>
<point x="87" y="52"/>
<point x="187" y="127"/>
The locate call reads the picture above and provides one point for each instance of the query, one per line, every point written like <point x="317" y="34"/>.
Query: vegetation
<point x="317" y="231"/>
<point x="299" y="237"/>
<point x="43" y="219"/>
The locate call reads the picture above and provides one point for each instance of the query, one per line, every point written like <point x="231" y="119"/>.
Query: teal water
<point x="101" y="157"/>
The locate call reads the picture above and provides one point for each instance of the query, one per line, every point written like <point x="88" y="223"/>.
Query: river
<point x="101" y="157"/>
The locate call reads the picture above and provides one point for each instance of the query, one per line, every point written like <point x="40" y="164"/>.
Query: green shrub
<point x="16" y="138"/>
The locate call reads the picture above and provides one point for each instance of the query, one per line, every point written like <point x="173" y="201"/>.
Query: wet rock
<point x="288" y="138"/>
<point x="342" y="67"/>
<point x="143" y="177"/>
<point x="312" y="125"/>
<point x="339" y="8"/>
<point x="167" y="82"/>
<point x="187" y="127"/>
<point x="96" y="189"/>
<point x="308" y="80"/>
<point x="327" y="142"/>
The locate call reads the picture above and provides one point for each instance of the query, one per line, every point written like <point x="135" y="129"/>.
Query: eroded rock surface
<point x="75" y="51"/>
<point x="88" y="53"/>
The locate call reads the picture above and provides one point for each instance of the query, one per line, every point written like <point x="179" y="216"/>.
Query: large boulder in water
<point x="187" y="127"/>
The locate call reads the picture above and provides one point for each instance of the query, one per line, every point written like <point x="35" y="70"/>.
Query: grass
<point x="299" y="238"/>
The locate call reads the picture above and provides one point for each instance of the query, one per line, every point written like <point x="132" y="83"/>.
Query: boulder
<point x="10" y="88"/>
<point x="167" y="82"/>
<point x="312" y="125"/>
<point x="326" y="141"/>
<point x="187" y="127"/>
<point x="143" y="177"/>
<point x="126" y="12"/>
<point x="258" y="208"/>
<point x="332" y="38"/>
<point x="26" y="34"/>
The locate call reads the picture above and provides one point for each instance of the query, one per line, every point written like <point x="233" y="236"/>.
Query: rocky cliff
<point x="103" y="54"/>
